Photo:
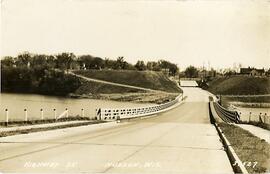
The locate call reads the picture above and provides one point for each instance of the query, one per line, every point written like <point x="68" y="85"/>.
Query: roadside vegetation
<point x="39" y="80"/>
<point x="97" y="90"/>
<point x="252" y="151"/>
<point x="146" y="79"/>
<point x="258" y="124"/>
<point x="90" y="88"/>
<point x="47" y="75"/>
<point x="240" y="90"/>
<point x="239" y="85"/>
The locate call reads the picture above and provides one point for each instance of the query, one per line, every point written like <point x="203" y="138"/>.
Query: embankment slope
<point x="146" y="79"/>
<point x="240" y="85"/>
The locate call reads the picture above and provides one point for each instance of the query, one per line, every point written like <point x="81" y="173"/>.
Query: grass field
<point x="240" y="85"/>
<point x="252" y="151"/>
<point x="95" y="88"/>
<point x="145" y="79"/>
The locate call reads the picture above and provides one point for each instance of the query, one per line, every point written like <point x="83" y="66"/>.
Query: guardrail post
<point x="260" y="117"/>
<point x="25" y="115"/>
<point x="41" y="114"/>
<point x="54" y="111"/>
<point x="82" y="112"/>
<point x="6" y="110"/>
<point x="67" y="112"/>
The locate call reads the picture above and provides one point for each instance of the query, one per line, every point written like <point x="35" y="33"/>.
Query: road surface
<point x="188" y="83"/>
<point x="181" y="140"/>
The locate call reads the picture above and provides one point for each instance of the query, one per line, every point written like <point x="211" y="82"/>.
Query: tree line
<point x="66" y="61"/>
<point x="41" y="74"/>
<point x="45" y="74"/>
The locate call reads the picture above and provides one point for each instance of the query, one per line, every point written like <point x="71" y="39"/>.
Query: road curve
<point x="181" y="140"/>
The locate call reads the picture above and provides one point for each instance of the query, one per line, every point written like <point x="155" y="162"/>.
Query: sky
<point x="186" y="32"/>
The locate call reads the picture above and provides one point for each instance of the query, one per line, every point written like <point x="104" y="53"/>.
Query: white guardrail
<point x="112" y="114"/>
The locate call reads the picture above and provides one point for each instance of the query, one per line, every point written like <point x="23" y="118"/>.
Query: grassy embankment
<point x="145" y="79"/>
<point x="252" y="151"/>
<point x="41" y="80"/>
<point x="242" y="85"/>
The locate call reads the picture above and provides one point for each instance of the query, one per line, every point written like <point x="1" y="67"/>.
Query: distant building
<point x="207" y="74"/>
<point x="267" y="73"/>
<point x="252" y="71"/>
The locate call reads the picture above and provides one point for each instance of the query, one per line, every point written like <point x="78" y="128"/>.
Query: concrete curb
<point x="239" y="167"/>
<point x="36" y="126"/>
<point x="234" y="159"/>
<point x="65" y="126"/>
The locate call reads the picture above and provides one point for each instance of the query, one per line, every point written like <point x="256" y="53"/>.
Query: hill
<point x="146" y="79"/>
<point x="240" y="85"/>
<point x="88" y="87"/>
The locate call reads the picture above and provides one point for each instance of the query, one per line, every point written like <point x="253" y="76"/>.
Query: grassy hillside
<point x="97" y="90"/>
<point x="101" y="88"/>
<point x="146" y="79"/>
<point x="240" y="85"/>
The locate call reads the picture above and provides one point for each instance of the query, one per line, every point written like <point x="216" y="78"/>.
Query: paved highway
<point x="181" y="140"/>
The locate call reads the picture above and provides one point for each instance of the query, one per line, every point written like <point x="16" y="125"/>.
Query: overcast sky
<point x="184" y="32"/>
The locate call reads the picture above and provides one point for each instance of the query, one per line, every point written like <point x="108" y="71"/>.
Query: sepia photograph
<point x="135" y="86"/>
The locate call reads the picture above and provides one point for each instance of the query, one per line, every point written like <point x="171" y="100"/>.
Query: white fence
<point x="254" y="117"/>
<point x="112" y="114"/>
<point x="64" y="114"/>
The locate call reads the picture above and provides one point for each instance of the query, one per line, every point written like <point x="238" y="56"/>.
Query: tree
<point x="156" y="66"/>
<point x="7" y="61"/>
<point x="64" y="60"/>
<point x="140" y="65"/>
<point x="39" y="60"/>
<point x="108" y="63"/>
<point x="120" y="63"/>
<point x="51" y="61"/>
<point x="91" y="62"/>
<point x="86" y="60"/>
<point x="173" y="69"/>
<point x="164" y="64"/>
<point x="170" y="68"/>
<point x="153" y="66"/>
<point x="23" y="59"/>
<point x="191" y="72"/>
<point x="97" y="63"/>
